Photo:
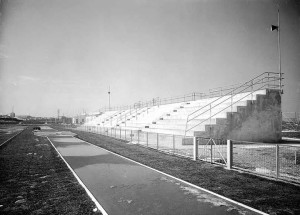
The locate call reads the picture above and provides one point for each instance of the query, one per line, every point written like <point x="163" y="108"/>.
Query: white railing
<point x="267" y="80"/>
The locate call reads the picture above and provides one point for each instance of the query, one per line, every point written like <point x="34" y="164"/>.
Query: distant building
<point x="12" y="115"/>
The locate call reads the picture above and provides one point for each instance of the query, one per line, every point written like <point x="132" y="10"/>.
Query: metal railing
<point x="219" y="91"/>
<point x="266" y="80"/>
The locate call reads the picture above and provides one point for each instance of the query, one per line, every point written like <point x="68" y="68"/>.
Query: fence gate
<point x="212" y="150"/>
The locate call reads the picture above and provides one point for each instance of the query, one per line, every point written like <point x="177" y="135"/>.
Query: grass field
<point x="35" y="180"/>
<point x="270" y="196"/>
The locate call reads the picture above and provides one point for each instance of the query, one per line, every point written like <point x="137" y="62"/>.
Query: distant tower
<point x="12" y="114"/>
<point x="57" y="115"/>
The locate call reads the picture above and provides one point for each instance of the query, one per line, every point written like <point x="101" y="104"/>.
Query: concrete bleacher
<point x="201" y="115"/>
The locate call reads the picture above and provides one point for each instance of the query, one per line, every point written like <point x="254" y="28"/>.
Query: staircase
<point x="249" y="111"/>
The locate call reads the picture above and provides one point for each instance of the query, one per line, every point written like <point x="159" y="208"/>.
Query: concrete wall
<point x="260" y="121"/>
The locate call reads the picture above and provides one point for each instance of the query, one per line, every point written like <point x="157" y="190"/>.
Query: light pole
<point x="109" y="98"/>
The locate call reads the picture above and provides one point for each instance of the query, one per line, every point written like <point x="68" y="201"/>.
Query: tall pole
<point x="279" y="51"/>
<point x="108" y="98"/>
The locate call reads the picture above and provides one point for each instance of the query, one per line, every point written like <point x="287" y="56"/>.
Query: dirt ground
<point x="35" y="180"/>
<point x="273" y="197"/>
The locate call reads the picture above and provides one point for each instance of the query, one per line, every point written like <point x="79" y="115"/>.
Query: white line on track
<point x="100" y="208"/>
<point x="193" y="185"/>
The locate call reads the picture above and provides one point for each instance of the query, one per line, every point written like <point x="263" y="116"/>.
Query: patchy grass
<point x="270" y="196"/>
<point x="35" y="180"/>
<point x="8" y="131"/>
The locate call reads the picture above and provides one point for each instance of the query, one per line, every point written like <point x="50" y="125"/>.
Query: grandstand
<point x="249" y="111"/>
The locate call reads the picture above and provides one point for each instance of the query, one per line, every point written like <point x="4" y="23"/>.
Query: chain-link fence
<point x="275" y="160"/>
<point x="174" y="144"/>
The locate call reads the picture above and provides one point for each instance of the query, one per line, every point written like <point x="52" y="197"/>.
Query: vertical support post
<point x="195" y="149"/>
<point x="125" y="134"/>
<point x="211" y="152"/>
<point x="157" y="141"/>
<point x="210" y="120"/>
<point x="173" y="143"/>
<point x="251" y="92"/>
<point x="231" y="101"/>
<point x="268" y="80"/>
<point x="229" y="154"/>
<point x="277" y="161"/>
<point x="138" y="136"/>
<point x="147" y="139"/>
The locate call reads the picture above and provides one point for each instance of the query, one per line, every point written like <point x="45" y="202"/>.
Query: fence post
<point x="173" y="143"/>
<point x="195" y="149"/>
<point x="229" y="154"/>
<point x="131" y="136"/>
<point x="147" y="139"/>
<point x="277" y="161"/>
<point x="157" y="141"/>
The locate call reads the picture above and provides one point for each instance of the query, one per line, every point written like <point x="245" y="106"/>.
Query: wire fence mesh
<point x="280" y="161"/>
<point x="212" y="150"/>
<point x="274" y="160"/>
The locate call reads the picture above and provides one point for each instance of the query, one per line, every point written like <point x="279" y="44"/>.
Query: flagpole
<point x="279" y="51"/>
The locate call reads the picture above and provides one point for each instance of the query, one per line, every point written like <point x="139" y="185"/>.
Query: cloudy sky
<point x="65" y="54"/>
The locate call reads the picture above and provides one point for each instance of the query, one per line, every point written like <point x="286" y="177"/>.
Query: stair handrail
<point x="231" y="93"/>
<point x="226" y="108"/>
<point x="108" y="117"/>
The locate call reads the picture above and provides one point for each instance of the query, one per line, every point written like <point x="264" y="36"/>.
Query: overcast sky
<point x="65" y="54"/>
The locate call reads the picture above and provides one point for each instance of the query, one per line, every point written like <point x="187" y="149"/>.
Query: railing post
<point x="210" y="126"/>
<point x="229" y="154"/>
<point x="195" y="148"/>
<point x="268" y="80"/>
<point x="251" y="91"/>
<point x="231" y="101"/>
<point x="131" y="136"/>
<point x="277" y="161"/>
<point x="157" y="141"/>
<point x="211" y="152"/>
